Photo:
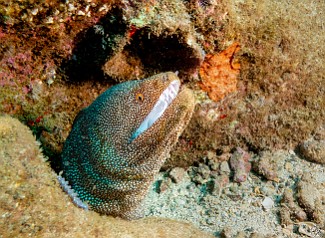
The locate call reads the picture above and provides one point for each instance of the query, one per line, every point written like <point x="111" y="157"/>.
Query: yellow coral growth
<point x="219" y="73"/>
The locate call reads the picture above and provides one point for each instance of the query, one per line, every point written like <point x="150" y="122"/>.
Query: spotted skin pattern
<point x="108" y="171"/>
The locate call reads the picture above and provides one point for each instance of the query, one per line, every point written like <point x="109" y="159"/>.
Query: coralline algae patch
<point x="220" y="73"/>
<point x="33" y="204"/>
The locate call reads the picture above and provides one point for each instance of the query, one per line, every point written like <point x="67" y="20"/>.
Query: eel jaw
<point x="165" y="99"/>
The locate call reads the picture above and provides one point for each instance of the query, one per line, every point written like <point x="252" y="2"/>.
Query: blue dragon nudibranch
<point x="118" y="143"/>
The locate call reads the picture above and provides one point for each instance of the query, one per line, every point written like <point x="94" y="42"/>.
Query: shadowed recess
<point x="163" y="53"/>
<point x="94" y="46"/>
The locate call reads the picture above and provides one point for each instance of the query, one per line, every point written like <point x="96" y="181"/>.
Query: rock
<point x="311" y="196"/>
<point x="285" y="217"/>
<point x="313" y="150"/>
<point x="218" y="184"/>
<point x="204" y="171"/>
<point x="320" y="133"/>
<point x="213" y="161"/>
<point x="266" y="166"/>
<point x="268" y="189"/>
<point x="214" y="174"/>
<point x="32" y="203"/>
<point x="177" y="174"/>
<point x="226" y="232"/>
<point x="211" y="155"/>
<point x="239" y="162"/>
<point x="300" y="215"/>
<point x="290" y="211"/>
<point x="267" y="203"/>
<point x="165" y="184"/>
<point x="200" y="174"/>
<point x="224" y="168"/>
<point x="308" y="229"/>
<point x="288" y="229"/>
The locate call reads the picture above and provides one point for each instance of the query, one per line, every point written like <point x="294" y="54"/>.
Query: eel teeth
<point x="165" y="99"/>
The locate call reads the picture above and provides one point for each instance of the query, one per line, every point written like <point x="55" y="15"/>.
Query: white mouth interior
<point x="161" y="105"/>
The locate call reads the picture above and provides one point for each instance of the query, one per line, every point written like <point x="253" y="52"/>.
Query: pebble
<point x="266" y="166"/>
<point x="34" y="11"/>
<point x="165" y="184"/>
<point x="239" y="162"/>
<point x="211" y="220"/>
<point x="103" y="8"/>
<point x="177" y="174"/>
<point x="211" y="155"/>
<point x="204" y="171"/>
<point x="49" y="20"/>
<point x="291" y="211"/>
<point x="81" y="13"/>
<point x="71" y="7"/>
<point x="267" y="203"/>
<point x="310" y="196"/>
<point x="180" y="202"/>
<point x="213" y="162"/>
<point x="218" y="184"/>
<point x="288" y="166"/>
<point x="226" y="232"/>
<point x="268" y="189"/>
<point x="224" y="168"/>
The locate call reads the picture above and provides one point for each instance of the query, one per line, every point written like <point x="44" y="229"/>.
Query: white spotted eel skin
<point x="118" y="143"/>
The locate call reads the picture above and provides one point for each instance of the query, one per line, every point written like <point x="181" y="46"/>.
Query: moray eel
<point x="119" y="142"/>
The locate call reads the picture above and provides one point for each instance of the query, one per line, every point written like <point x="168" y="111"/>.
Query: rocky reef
<point x="68" y="53"/>
<point x="56" y="57"/>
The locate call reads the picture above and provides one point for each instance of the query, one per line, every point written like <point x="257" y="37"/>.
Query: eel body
<point x="119" y="142"/>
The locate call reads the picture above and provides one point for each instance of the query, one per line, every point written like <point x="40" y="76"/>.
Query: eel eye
<point x="139" y="97"/>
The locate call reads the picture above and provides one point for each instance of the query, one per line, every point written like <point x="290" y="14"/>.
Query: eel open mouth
<point x="165" y="99"/>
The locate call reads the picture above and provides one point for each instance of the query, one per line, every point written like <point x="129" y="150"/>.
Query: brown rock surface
<point x="313" y="150"/>
<point x="266" y="166"/>
<point x="311" y="196"/>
